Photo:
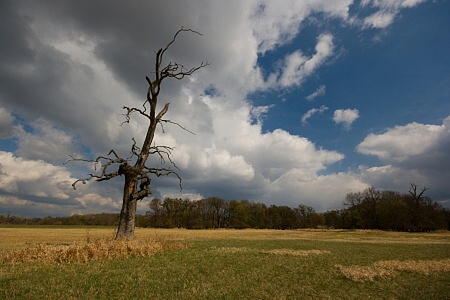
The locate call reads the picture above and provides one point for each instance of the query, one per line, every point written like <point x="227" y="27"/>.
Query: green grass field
<point x="232" y="264"/>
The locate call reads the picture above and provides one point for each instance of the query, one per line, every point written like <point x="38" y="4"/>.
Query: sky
<point x="302" y="101"/>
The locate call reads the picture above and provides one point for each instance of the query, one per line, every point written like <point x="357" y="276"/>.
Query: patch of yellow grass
<point x="88" y="251"/>
<point x="389" y="268"/>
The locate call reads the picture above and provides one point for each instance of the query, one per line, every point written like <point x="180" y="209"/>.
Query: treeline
<point x="368" y="209"/>
<point x="390" y="210"/>
<point x="103" y="219"/>
<point x="201" y="214"/>
<point x="218" y="213"/>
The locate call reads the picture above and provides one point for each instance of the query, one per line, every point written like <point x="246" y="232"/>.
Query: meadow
<point x="85" y="263"/>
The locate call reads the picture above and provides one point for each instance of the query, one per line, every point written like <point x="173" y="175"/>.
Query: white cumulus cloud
<point x="415" y="152"/>
<point x="33" y="177"/>
<point x="346" y="117"/>
<point x="402" y="143"/>
<point x="297" y="66"/>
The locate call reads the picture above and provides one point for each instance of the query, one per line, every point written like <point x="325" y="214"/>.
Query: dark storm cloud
<point x="126" y="34"/>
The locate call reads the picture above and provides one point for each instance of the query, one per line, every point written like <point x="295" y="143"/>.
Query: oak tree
<point x="136" y="171"/>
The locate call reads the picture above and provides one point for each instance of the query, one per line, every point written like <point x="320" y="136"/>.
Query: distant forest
<point x="369" y="209"/>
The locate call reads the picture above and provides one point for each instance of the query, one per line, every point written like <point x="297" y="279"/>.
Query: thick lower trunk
<point x="127" y="219"/>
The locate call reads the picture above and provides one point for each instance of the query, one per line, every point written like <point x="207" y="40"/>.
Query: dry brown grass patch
<point x="101" y="248"/>
<point x="389" y="268"/>
<point x="364" y="273"/>
<point x="287" y="252"/>
<point x="417" y="266"/>
<point x="232" y="249"/>
<point x="290" y="252"/>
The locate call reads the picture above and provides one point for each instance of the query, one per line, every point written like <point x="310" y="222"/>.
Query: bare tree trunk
<point x="127" y="219"/>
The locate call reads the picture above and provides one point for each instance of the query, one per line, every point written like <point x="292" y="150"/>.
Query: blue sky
<point x="303" y="101"/>
<point x="393" y="77"/>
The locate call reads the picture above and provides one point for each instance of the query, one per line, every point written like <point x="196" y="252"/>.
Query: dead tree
<point x="413" y="191"/>
<point x="419" y="202"/>
<point x="136" y="172"/>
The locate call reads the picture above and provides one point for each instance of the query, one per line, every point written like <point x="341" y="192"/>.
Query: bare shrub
<point x="89" y="251"/>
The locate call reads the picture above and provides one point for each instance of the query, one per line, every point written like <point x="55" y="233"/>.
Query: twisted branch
<point x="104" y="167"/>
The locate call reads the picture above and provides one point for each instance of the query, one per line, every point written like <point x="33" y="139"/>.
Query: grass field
<point x="224" y="264"/>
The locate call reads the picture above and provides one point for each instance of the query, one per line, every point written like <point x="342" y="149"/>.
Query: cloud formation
<point x="312" y="112"/>
<point x="414" y="152"/>
<point x="385" y="11"/>
<point x="66" y="73"/>
<point x="6" y="123"/>
<point x="274" y="25"/>
<point x="33" y="177"/>
<point x="297" y="66"/>
<point x="45" y="143"/>
<point x="346" y="117"/>
<point x="412" y="145"/>
<point x="318" y="93"/>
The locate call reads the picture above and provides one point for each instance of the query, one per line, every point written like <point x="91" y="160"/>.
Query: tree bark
<point x="127" y="218"/>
